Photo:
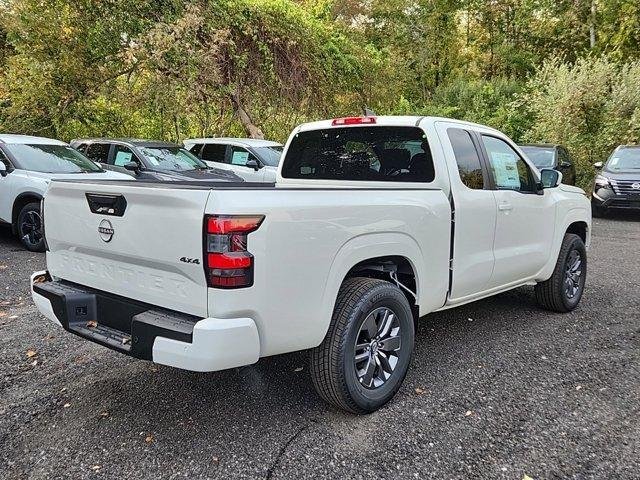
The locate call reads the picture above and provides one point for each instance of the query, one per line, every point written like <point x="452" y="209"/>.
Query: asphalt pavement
<point x="497" y="389"/>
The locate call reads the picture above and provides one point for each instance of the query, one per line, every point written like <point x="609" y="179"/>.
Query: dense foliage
<point x="542" y="70"/>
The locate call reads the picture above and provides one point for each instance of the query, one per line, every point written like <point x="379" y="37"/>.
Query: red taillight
<point x="228" y="263"/>
<point x="235" y="224"/>
<point x="353" y="121"/>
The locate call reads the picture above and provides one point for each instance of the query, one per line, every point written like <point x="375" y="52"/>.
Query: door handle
<point x="504" y="207"/>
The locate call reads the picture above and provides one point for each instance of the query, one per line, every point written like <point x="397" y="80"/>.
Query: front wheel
<point x="365" y="355"/>
<point x="30" y="227"/>
<point x="563" y="291"/>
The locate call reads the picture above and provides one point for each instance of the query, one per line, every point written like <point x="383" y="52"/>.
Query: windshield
<point x="540" y="156"/>
<point x="269" y="155"/>
<point x="51" y="159"/>
<point x="172" y="158"/>
<point x="624" y="160"/>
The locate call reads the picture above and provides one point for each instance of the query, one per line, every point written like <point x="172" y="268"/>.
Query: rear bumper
<point x="144" y="331"/>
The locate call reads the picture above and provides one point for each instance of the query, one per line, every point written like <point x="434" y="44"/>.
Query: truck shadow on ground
<point x="8" y="240"/>
<point x="279" y="389"/>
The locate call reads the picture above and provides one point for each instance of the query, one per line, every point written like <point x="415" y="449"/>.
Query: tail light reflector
<point x="228" y="262"/>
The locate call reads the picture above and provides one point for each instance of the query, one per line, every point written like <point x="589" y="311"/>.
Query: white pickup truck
<point x="372" y="223"/>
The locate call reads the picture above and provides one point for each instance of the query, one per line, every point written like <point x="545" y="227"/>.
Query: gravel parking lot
<point x="497" y="389"/>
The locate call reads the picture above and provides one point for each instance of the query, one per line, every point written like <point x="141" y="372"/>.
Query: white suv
<point x="253" y="160"/>
<point x="27" y="165"/>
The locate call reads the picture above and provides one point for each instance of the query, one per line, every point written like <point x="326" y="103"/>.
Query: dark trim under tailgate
<point x="116" y="322"/>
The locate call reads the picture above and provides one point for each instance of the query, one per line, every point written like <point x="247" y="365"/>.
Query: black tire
<point x="555" y="294"/>
<point x="597" y="211"/>
<point x="29" y="227"/>
<point x="333" y="363"/>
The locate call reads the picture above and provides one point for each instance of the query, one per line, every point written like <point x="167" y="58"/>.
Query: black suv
<point x="617" y="184"/>
<point x="150" y="159"/>
<point x="546" y="155"/>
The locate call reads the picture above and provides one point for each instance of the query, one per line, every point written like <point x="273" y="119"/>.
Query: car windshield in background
<point x="382" y="154"/>
<point x="269" y="155"/>
<point x="541" y="157"/>
<point x="624" y="160"/>
<point x="172" y="158"/>
<point x="51" y="159"/>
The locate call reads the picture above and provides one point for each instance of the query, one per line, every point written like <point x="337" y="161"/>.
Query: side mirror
<point x="598" y="165"/>
<point x="3" y="170"/>
<point x="550" y="178"/>
<point x="132" y="167"/>
<point x="253" y="163"/>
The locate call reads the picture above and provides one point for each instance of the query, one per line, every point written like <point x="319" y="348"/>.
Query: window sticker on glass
<point x="122" y="158"/>
<point x="153" y="160"/>
<point x="505" y="167"/>
<point x="240" y="158"/>
<point x="614" y="161"/>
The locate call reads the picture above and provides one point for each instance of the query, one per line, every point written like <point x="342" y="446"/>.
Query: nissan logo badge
<point x="105" y="229"/>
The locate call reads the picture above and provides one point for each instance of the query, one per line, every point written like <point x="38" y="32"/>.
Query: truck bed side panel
<point x="311" y="238"/>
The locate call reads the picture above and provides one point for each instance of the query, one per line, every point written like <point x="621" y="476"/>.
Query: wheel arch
<point x="577" y="221"/>
<point x="386" y="268"/>
<point x="580" y="228"/>
<point x="363" y="256"/>
<point x="19" y="203"/>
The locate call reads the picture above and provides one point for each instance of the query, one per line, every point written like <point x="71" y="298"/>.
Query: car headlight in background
<point x="602" y="182"/>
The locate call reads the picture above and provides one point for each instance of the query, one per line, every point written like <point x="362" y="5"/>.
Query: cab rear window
<point x="371" y="153"/>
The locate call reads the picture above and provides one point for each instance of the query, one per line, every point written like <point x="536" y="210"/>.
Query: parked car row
<point x="34" y="161"/>
<point x="28" y="164"/>
<point x="616" y="185"/>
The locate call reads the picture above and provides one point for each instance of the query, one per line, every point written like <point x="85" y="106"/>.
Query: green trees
<point x="591" y="106"/>
<point x="542" y="70"/>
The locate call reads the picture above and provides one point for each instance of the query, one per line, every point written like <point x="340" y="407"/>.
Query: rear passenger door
<point x="475" y="210"/>
<point x="525" y="216"/>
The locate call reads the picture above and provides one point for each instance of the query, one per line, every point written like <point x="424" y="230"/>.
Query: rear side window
<point x="382" y="154"/>
<point x="467" y="158"/>
<point x="212" y="152"/>
<point x="98" y="152"/>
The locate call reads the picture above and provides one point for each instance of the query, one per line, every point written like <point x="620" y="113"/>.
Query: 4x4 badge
<point x="190" y="260"/>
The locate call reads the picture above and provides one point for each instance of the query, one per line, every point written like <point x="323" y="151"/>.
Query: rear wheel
<point x="365" y="355"/>
<point x="563" y="291"/>
<point x="30" y="227"/>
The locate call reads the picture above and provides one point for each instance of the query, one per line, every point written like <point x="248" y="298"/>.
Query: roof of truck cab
<point x="138" y="142"/>
<point x="28" y="140"/>
<point x="391" y="121"/>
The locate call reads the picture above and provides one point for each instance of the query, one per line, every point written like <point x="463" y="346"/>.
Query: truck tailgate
<point x="141" y="241"/>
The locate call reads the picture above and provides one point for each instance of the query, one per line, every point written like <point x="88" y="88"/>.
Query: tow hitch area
<point x="115" y="322"/>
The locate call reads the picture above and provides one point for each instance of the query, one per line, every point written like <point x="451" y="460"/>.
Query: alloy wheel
<point x="377" y="348"/>
<point x="573" y="274"/>
<point x="31" y="228"/>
